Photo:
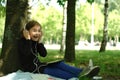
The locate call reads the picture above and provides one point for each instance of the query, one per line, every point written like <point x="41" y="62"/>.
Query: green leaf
<point x="61" y="2"/>
<point x="90" y="1"/>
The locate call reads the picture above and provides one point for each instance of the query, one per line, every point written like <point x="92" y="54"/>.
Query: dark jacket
<point x="28" y="51"/>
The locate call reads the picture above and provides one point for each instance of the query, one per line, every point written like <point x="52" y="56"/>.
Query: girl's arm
<point x="41" y="49"/>
<point x="24" y="47"/>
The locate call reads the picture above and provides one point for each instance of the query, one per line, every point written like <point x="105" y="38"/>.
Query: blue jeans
<point x="62" y="70"/>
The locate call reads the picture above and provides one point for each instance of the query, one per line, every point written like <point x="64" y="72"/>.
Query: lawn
<point x="108" y="61"/>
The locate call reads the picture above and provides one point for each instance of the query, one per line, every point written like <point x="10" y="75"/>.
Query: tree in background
<point x="70" y="31"/>
<point x="64" y="23"/>
<point x="90" y="1"/>
<point x="51" y="21"/>
<point x="83" y="22"/>
<point x="16" y="17"/>
<point x="2" y="8"/>
<point x="2" y="18"/>
<point x="114" y="27"/>
<point x="92" y="21"/>
<point x="105" y="29"/>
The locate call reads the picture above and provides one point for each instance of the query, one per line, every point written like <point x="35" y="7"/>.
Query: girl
<point x="29" y="48"/>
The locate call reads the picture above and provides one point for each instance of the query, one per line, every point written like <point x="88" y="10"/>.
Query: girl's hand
<point x="39" y="40"/>
<point x="26" y="34"/>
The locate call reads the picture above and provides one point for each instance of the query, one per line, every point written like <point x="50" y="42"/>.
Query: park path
<point x="78" y="47"/>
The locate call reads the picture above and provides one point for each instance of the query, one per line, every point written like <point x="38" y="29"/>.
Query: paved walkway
<point x="78" y="47"/>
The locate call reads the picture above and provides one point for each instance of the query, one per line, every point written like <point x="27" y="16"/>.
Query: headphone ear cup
<point x="25" y="26"/>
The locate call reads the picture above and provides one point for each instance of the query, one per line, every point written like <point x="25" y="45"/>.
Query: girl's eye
<point x="34" y="30"/>
<point x="39" y="30"/>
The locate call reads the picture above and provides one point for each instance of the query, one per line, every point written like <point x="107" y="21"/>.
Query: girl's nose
<point x="38" y="33"/>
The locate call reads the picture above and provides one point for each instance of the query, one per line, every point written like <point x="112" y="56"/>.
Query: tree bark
<point x="105" y="33"/>
<point x="16" y="11"/>
<point x="64" y="27"/>
<point x="70" y="32"/>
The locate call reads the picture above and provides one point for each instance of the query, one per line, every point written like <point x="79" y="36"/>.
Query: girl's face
<point x="35" y="33"/>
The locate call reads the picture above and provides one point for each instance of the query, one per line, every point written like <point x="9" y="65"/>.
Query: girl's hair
<point x="29" y="25"/>
<point x="32" y="23"/>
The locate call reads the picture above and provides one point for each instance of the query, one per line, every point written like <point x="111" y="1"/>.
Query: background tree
<point x="2" y="17"/>
<point x="16" y="16"/>
<point x="64" y="23"/>
<point x="114" y="27"/>
<point x="50" y="19"/>
<point x="83" y="22"/>
<point x="70" y="31"/>
<point x="105" y="30"/>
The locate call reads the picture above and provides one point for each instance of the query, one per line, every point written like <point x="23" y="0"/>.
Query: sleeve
<point x="41" y="50"/>
<point x="24" y="47"/>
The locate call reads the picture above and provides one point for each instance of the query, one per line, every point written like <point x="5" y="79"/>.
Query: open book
<point x="53" y="62"/>
<point x="45" y="64"/>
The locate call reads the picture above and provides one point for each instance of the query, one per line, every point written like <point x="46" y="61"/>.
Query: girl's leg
<point x="67" y="68"/>
<point x="56" y="72"/>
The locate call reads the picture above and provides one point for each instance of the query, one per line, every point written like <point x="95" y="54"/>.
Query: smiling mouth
<point x="35" y="37"/>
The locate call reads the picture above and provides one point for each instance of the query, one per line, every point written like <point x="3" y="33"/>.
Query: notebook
<point x="55" y="61"/>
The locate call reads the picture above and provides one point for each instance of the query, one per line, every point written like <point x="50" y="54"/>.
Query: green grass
<point x="108" y="61"/>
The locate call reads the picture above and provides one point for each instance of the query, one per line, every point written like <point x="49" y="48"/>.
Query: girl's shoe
<point x="92" y="72"/>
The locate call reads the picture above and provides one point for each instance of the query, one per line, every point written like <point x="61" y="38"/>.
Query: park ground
<point x="108" y="61"/>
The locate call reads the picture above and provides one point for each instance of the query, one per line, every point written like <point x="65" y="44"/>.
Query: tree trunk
<point x="16" y="11"/>
<point x="70" y="32"/>
<point x="105" y="33"/>
<point x="64" y="27"/>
